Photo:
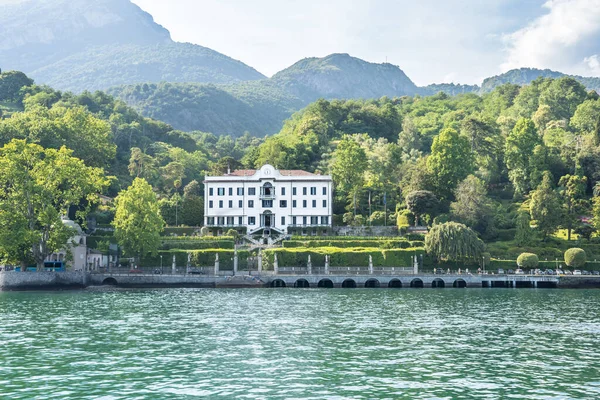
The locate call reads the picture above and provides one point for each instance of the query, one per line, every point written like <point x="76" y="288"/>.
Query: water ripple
<point x="115" y="344"/>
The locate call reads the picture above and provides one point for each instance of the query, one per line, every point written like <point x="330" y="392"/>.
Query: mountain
<point x="524" y="76"/>
<point x="260" y="107"/>
<point x="340" y="76"/>
<point x="86" y="45"/>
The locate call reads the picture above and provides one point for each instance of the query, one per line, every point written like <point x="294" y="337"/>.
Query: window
<point x="251" y="220"/>
<point x="221" y="191"/>
<point x="220" y="203"/>
<point x="240" y="220"/>
<point x="267" y="203"/>
<point x="303" y="220"/>
<point x="283" y="203"/>
<point x="240" y="203"/>
<point x="294" y="203"/>
<point x="210" y="191"/>
<point x="293" y="191"/>
<point x="282" y="220"/>
<point x="221" y="221"/>
<point x="314" y="220"/>
<point x="231" y="191"/>
<point x="313" y="191"/>
<point x="324" y="203"/>
<point x="314" y="203"/>
<point x="240" y="191"/>
<point x="293" y="220"/>
<point x="229" y="221"/>
<point x="250" y="203"/>
<point x="304" y="191"/>
<point x="283" y="191"/>
<point x="304" y="203"/>
<point x="210" y="204"/>
<point x="324" y="190"/>
<point x="230" y="203"/>
<point x="210" y="221"/>
<point x="324" y="220"/>
<point x="251" y="191"/>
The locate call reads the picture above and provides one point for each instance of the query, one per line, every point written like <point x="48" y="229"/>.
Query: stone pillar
<point x="370" y="264"/>
<point x="326" y="264"/>
<point x="535" y="284"/>
<point x="309" y="266"/>
<point x="415" y="265"/>
<point x="174" y="265"/>
<point x="259" y="262"/>
<point x="217" y="264"/>
<point x="235" y="262"/>
<point x="275" y="264"/>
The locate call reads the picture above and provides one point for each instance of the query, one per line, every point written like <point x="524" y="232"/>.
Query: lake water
<point x="295" y="343"/>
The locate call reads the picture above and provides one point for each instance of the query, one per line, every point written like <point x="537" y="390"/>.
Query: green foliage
<point x="450" y="162"/>
<point x="524" y="233"/>
<point x="334" y="242"/>
<point x="138" y="222"/>
<point x="37" y="187"/>
<point x="528" y="260"/>
<point x="519" y="148"/>
<point x="422" y="202"/>
<point x="545" y="207"/>
<point x="191" y="243"/>
<point x="575" y="258"/>
<point x="454" y="242"/>
<point x="472" y="207"/>
<point x="11" y="83"/>
<point x="342" y="257"/>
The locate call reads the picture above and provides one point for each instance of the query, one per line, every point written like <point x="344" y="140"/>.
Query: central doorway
<point x="267" y="219"/>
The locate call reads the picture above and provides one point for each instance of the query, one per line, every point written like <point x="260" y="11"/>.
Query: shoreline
<point x="40" y="281"/>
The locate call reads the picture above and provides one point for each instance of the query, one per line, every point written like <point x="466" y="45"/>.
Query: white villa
<point x="268" y="200"/>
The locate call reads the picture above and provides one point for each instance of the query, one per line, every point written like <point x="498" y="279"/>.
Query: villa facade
<point x="268" y="200"/>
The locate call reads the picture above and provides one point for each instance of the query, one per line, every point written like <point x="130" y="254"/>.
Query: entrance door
<point x="267" y="220"/>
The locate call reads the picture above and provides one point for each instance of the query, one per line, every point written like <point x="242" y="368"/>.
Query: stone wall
<point x="43" y="280"/>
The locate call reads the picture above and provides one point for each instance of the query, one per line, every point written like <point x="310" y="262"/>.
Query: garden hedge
<point x="528" y="260"/>
<point x="199" y="258"/>
<point x="575" y="257"/>
<point x="341" y="257"/>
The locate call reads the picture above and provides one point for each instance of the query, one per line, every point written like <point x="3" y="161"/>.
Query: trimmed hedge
<point x="383" y="244"/>
<point x="528" y="260"/>
<point x="575" y="257"/>
<point x="199" y="258"/>
<point x="360" y="238"/>
<point x="196" y="244"/>
<point x="180" y="231"/>
<point x="341" y="257"/>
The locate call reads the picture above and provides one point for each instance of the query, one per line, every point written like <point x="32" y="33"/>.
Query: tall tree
<point x="545" y="207"/>
<point x="519" y="147"/>
<point x="472" y="206"/>
<point x="572" y="190"/>
<point x="348" y="168"/>
<point x="138" y="222"/>
<point x="450" y="161"/>
<point x="37" y="188"/>
<point x="421" y="203"/>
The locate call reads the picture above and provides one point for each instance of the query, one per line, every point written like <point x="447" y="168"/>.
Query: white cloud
<point x="593" y="63"/>
<point x="556" y="39"/>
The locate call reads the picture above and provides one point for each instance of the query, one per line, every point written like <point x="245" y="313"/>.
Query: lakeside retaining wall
<point x="43" y="280"/>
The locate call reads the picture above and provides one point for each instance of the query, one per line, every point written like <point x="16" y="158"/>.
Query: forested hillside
<point x="524" y="76"/>
<point x="260" y="107"/>
<point x="518" y="165"/>
<point x="82" y="45"/>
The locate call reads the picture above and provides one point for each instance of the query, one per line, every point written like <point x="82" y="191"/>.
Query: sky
<point x="433" y="41"/>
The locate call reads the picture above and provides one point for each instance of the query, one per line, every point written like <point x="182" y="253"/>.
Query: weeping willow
<point x="453" y="242"/>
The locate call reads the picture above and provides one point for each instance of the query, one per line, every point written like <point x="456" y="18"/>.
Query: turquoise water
<point x="294" y="343"/>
